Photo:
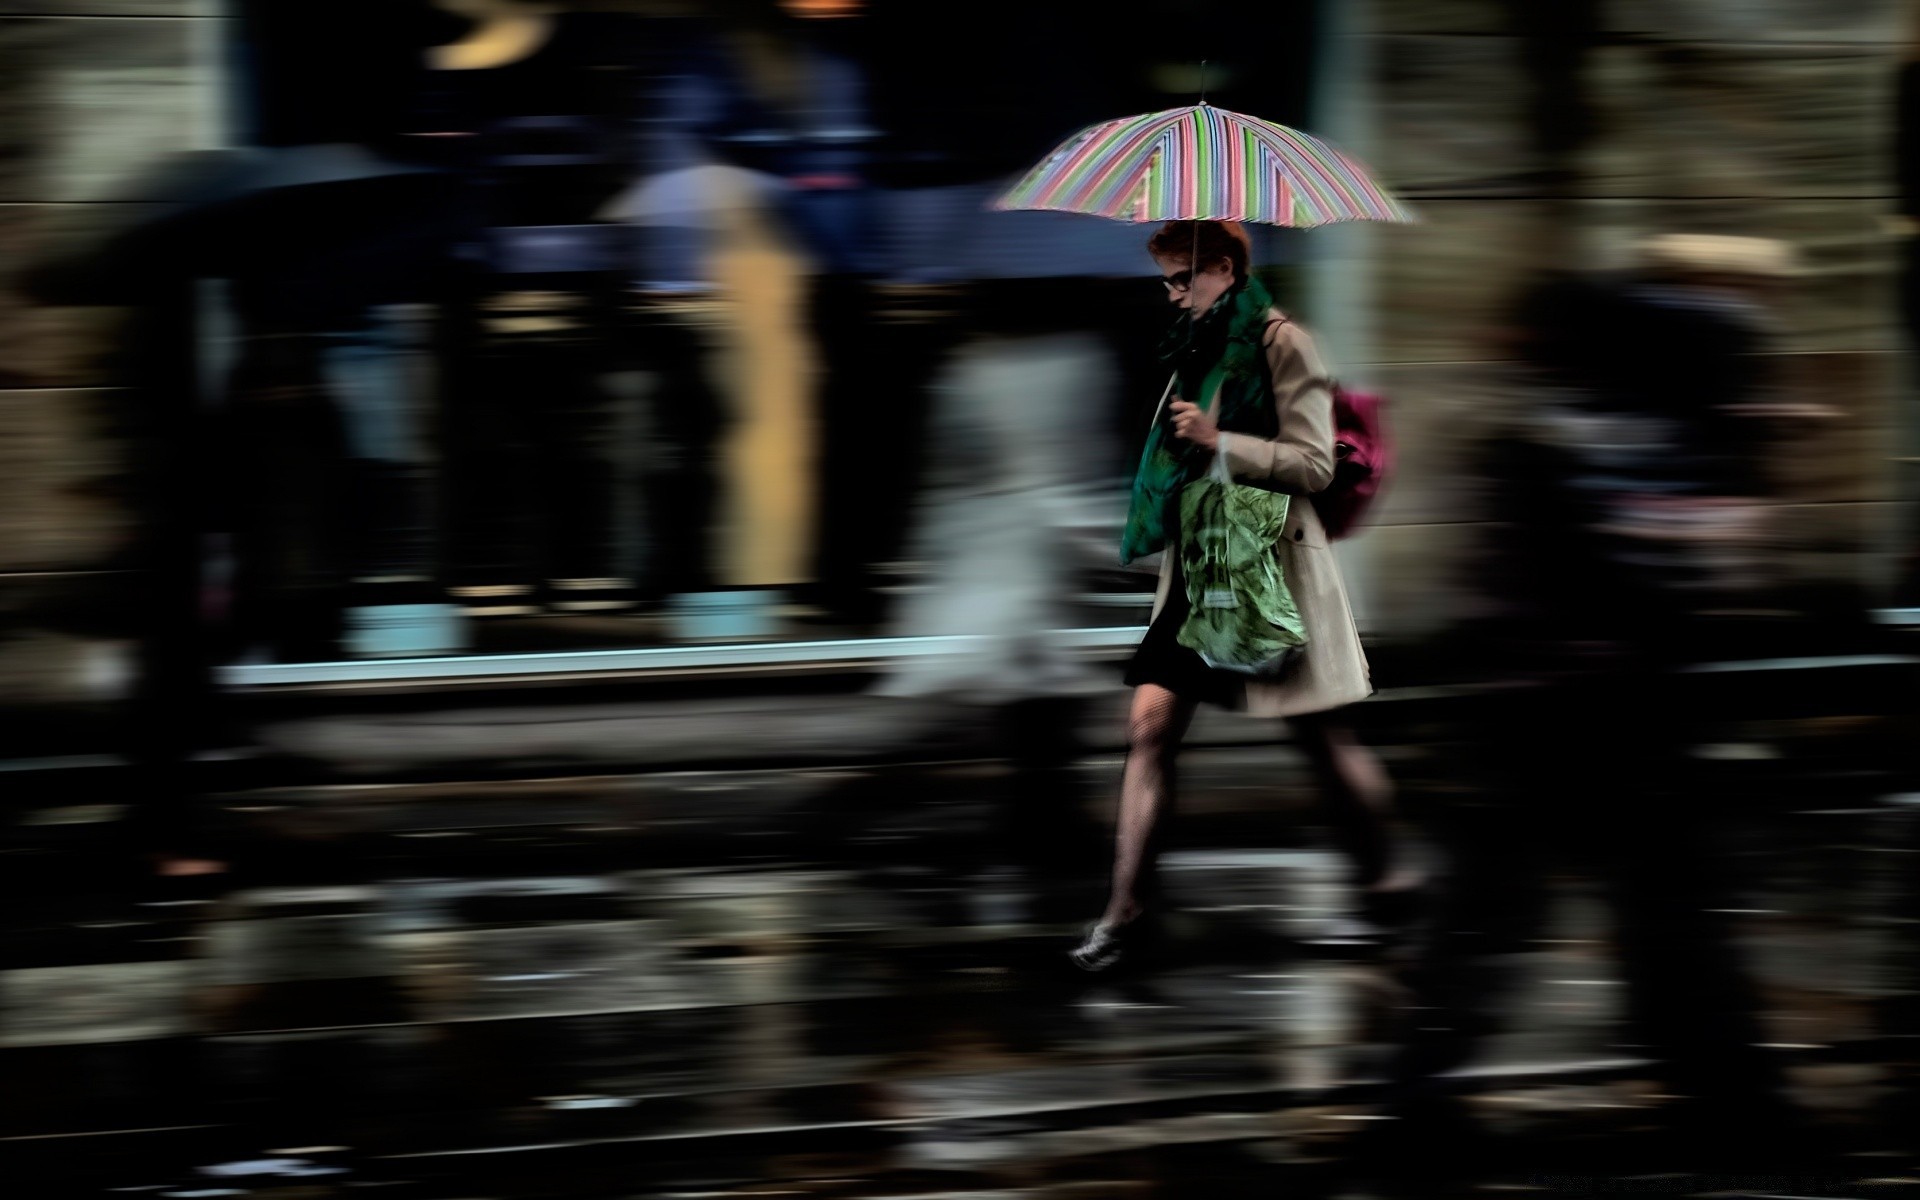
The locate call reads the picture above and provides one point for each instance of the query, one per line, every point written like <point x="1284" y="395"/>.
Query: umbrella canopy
<point x="697" y="196"/>
<point x="330" y="210"/>
<point x="1207" y="164"/>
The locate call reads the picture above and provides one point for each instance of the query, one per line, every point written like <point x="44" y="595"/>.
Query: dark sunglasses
<point x="1179" y="281"/>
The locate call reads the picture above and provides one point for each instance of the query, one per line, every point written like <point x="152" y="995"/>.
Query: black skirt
<point x="1162" y="660"/>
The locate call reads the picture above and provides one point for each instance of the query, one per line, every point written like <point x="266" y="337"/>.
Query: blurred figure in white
<point x="1003" y="520"/>
<point x="1015" y="511"/>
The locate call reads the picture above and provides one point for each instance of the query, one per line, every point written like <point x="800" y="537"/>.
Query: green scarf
<point x="1219" y="354"/>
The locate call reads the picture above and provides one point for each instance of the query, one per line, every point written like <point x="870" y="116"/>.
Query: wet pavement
<point x="834" y="982"/>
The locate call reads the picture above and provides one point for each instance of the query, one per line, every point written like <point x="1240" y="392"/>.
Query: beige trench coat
<point x="1333" y="669"/>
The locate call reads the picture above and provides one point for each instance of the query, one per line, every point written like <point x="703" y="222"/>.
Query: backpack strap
<point x="1285" y="319"/>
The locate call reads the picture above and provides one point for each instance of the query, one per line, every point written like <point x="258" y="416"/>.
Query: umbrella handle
<point x="1162" y="406"/>
<point x="1193" y="264"/>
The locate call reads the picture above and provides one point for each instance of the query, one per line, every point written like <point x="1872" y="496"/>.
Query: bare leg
<point x="1359" y="802"/>
<point x="1154" y="728"/>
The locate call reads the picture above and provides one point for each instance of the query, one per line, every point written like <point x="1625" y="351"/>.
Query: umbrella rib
<point x="1310" y="156"/>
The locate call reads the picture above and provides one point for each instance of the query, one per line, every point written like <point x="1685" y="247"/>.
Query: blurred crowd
<point x="693" y="311"/>
<point x="593" y="309"/>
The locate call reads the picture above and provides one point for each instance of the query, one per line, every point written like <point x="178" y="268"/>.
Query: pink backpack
<point x="1363" y="458"/>
<point x="1363" y="454"/>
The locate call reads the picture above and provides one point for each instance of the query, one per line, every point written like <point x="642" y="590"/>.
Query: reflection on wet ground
<point x="893" y="1021"/>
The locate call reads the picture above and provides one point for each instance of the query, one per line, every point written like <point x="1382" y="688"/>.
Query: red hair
<point x="1202" y="242"/>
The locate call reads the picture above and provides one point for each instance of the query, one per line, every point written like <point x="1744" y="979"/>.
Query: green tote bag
<point x="1241" y="615"/>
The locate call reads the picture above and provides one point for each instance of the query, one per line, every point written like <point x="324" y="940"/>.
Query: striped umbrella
<point x="1203" y="163"/>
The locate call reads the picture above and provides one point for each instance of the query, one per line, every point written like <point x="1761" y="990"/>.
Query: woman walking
<point x="1249" y="387"/>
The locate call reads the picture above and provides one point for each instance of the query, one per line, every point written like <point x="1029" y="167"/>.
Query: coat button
<point x="1299" y="534"/>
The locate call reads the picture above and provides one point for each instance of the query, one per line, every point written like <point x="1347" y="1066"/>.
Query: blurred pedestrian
<point x="801" y="116"/>
<point x="1250" y="387"/>
<point x="1614" y="498"/>
<point x="526" y="107"/>
<point x="1012" y="485"/>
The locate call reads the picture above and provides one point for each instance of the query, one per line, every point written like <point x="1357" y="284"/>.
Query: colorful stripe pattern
<point x="1203" y="163"/>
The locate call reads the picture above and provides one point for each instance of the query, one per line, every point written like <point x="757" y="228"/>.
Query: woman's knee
<point x="1155" y="726"/>
<point x="1150" y="738"/>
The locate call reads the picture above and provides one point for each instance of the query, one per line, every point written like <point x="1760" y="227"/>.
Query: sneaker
<point x="1106" y="946"/>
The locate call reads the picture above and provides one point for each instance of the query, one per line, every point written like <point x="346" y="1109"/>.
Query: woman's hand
<point x="1192" y="424"/>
